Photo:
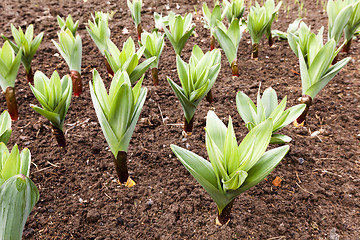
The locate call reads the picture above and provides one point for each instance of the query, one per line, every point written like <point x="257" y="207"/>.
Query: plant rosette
<point x="233" y="168"/>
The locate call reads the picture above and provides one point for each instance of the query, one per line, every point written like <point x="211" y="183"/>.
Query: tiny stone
<point x="92" y="216"/>
<point x="150" y="202"/>
<point x="120" y="221"/>
<point x="333" y="235"/>
<point x="51" y="210"/>
<point x="301" y="160"/>
<point x="28" y="233"/>
<point x="184" y="139"/>
<point x="358" y="137"/>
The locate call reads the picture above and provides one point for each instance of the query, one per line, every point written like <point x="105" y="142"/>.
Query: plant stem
<point x="30" y="76"/>
<point x="11" y="103"/>
<point x="155" y="76"/>
<point x="235" y="68"/>
<point x="255" y="51"/>
<point x="76" y="82"/>
<point x="188" y="126"/>
<point x="121" y="166"/>
<point x="308" y="101"/>
<point x="139" y="31"/>
<point x="347" y="46"/>
<point x="224" y="217"/>
<point x="335" y="60"/>
<point x="271" y="40"/>
<point x="59" y="136"/>
<point x="212" y="42"/>
<point x="108" y="68"/>
<point x="209" y="97"/>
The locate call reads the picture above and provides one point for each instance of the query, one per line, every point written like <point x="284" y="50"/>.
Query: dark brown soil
<point x="79" y="197"/>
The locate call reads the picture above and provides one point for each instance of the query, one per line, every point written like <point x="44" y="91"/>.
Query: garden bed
<point x="79" y="197"/>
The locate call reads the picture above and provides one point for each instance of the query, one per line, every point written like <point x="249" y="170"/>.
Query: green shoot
<point x="316" y="69"/>
<point x="233" y="9"/>
<point x="118" y="113"/>
<point x="229" y="40"/>
<point x="154" y="44"/>
<point x="210" y="19"/>
<point x="28" y="45"/>
<point x="5" y="127"/>
<point x="353" y="24"/>
<point x="127" y="59"/>
<point x="70" y="48"/>
<point x="268" y="108"/>
<point x="180" y="29"/>
<point x="9" y="67"/>
<point x="135" y="10"/>
<point x="55" y="97"/>
<point x="160" y="21"/>
<point x="259" y="23"/>
<point x="196" y="80"/>
<point x="68" y="24"/>
<point x="233" y="168"/>
<point x="99" y="32"/>
<point x="18" y="194"/>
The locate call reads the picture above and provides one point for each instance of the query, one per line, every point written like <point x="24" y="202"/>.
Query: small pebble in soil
<point x="28" y="233"/>
<point x="150" y="202"/>
<point x="358" y="137"/>
<point x="92" y="216"/>
<point x="333" y="235"/>
<point x="120" y="221"/>
<point x="301" y="160"/>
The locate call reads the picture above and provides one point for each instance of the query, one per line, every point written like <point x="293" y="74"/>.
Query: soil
<point x="79" y="197"/>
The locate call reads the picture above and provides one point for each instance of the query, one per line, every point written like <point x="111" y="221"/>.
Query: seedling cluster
<point x="233" y="168"/>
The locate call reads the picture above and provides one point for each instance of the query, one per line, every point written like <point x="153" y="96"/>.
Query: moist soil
<point x="80" y="198"/>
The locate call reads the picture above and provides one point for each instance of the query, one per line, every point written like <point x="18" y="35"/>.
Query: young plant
<point x="339" y="13"/>
<point x="233" y="9"/>
<point x="210" y="21"/>
<point x="180" y="29"/>
<point x="259" y="23"/>
<point x="28" y="46"/>
<point x="316" y="70"/>
<point x="352" y="25"/>
<point x="135" y="10"/>
<point x="229" y="40"/>
<point x="128" y="59"/>
<point x="154" y="44"/>
<point x="99" y="32"/>
<point x="68" y="24"/>
<point x="9" y="67"/>
<point x="18" y="194"/>
<point x="70" y="48"/>
<point x="55" y="97"/>
<point x="5" y="127"/>
<point x="118" y="113"/>
<point x="196" y="79"/>
<point x="268" y="108"/>
<point x="299" y="35"/>
<point x="160" y="21"/>
<point x="232" y="169"/>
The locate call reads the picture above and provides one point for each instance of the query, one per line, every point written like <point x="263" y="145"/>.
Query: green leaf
<point x="261" y="169"/>
<point x="259" y="136"/>
<point x="188" y="107"/>
<point x="203" y="172"/>
<point x="279" y="139"/>
<point x="226" y="44"/>
<point x="19" y="194"/>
